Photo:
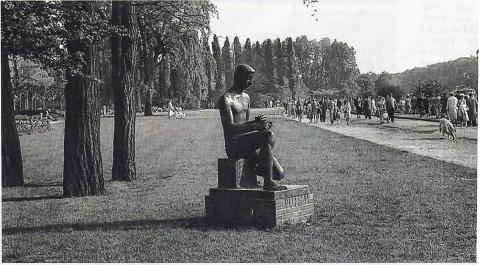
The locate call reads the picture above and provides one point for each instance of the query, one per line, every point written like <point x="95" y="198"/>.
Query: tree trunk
<point x="164" y="80"/>
<point x="123" y="51"/>
<point x="82" y="172"/>
<point x="12" y="166"/>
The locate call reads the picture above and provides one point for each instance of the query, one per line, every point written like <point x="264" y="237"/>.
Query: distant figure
<point x="171" y="109"/>
<point x="408" y="105"/>
<point x="382" y="110"/>
<point x="332" y="109"/>
<point x="472" y="105"/>
<point x="324" y="107"/>
<point x="452" y="103"/>
<point x="391" y="106"/>
<point x="462" y="115"/>
<point x="298" y="109"/>
<point x="420" y="105"/>
<point x="358" y="106"/>
<point x="443" y="103"/>
<point x="367" y="107"/>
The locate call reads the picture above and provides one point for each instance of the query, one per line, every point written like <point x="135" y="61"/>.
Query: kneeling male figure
<point x="249" y="139"/>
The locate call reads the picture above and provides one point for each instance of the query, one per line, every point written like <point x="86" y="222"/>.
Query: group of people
<point x="458" y="108"/>
<point x="382" y="107"/>
<point x="461" y="109"/>
<point x="316" y="110"/>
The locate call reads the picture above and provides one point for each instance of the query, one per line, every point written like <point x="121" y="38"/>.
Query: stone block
<point x="260" y="207"/>
<point x="229" y="172"/>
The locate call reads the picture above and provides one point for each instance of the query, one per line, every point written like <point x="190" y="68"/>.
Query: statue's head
<point x="243" y="76"/>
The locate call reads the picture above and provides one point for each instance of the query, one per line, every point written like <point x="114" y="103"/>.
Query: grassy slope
<point x="373" y="204"/>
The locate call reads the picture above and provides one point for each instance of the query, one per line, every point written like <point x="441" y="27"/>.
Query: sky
<point x="388" y="35"/>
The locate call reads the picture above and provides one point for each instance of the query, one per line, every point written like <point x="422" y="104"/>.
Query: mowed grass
<point x="372" y="203"/>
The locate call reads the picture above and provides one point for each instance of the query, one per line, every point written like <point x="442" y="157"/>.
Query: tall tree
<point x="279" y="61"/>
<point x="12" y="166"/>
<point x="123" y="71"/>
<point x="292" y="67"/>
<point x="217" y="55"/>
<point x="210" y="70"/>
<point x="340" y="68"/>
<point x="247" y="52"/>
<point x="82" y="171"/>
<point x="164" y="78"/>
<point x="147" y="61"/>
<point x="268" y="58"/>
<point x="227" y="63"/>
<point x="29" y="29"/>
<point x="237" y="50"/>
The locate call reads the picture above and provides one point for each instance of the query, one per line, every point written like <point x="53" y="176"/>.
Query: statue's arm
<point x="248" y="117"/>
<point x="229" y="126"/>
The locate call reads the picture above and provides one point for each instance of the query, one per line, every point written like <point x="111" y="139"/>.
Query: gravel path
<point x="415" y="136"/>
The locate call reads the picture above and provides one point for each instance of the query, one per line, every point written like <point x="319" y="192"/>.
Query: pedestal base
<point x="260" y="207"/>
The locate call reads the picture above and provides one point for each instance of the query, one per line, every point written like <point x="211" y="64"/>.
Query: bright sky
<point x="390" y="35"/>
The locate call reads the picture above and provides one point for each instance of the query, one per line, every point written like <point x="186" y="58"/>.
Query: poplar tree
<point x="227" y="63"/>
<point x="237" y="51"/>
<point x="279" y="62"/>
<point x="217" y="56"/>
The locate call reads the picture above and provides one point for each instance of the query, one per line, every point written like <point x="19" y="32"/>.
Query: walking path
<point x="415" y="136"/>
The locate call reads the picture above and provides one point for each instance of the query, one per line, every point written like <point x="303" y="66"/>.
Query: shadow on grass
<point x="42" y="185"/>
<point x="197" y="223"/>
<point x="22" y="199"/>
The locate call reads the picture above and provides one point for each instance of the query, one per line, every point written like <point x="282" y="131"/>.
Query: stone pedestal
<point x="260" y="207"/>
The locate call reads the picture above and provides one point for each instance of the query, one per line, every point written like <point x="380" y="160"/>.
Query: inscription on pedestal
<point x="257" y="206"/>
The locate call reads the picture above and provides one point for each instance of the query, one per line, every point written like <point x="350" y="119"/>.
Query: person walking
<point x="463" y="111"/>
<point x="323" y="115"/>
<point x="443" y="103"/>
<point x="382" y="111"/>
<point x="452" y="103"/>
<point x="332" y="109"/>
<point x="408" y="105"/>
<point x="391" y="106"/>
<point x="358" y="107"/>
<point x="472" y="109"/>
<point x="420" y="106"/>
<point x="299" y="110"/>
<point x="367" y="107"/>
<point x="314" y="110"/>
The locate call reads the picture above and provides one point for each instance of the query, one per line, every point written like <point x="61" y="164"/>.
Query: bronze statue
<point x="249" y="139"/>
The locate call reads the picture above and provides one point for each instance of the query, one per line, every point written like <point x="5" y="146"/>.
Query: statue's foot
<point x="272" y="185"/>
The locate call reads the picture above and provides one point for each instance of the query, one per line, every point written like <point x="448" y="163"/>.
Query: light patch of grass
<point x="372" y="203"/>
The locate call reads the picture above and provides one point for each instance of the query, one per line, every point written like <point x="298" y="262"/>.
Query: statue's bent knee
<point x="270" y="137"/>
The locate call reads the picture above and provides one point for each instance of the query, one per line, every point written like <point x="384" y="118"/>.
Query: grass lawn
<point x="372" y="203"/>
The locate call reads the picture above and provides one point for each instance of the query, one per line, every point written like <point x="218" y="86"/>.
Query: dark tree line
<point x="431" y="80"/>
<point x="288" y="68"/>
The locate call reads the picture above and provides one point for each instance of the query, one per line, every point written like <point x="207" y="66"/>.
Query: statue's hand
<point x="261" y="117"/>
<point x="269" y="125"/>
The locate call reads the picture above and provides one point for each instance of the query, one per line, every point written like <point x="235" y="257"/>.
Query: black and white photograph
<point x="239" y="131"/>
